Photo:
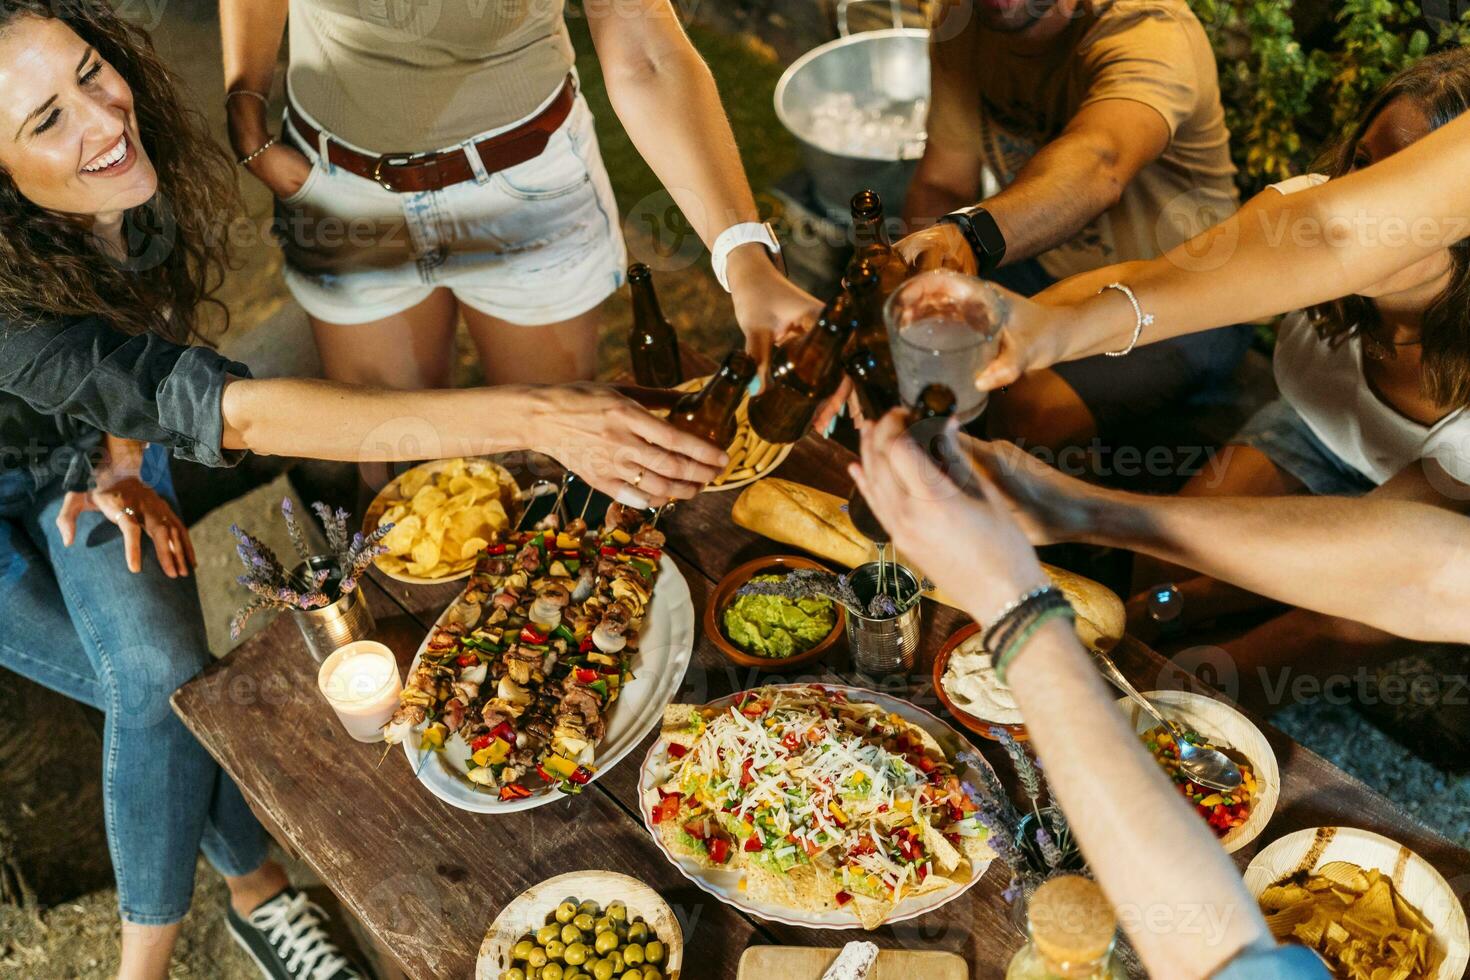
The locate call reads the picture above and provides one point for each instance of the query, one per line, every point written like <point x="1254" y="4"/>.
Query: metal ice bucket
<point x="875" y="67"/>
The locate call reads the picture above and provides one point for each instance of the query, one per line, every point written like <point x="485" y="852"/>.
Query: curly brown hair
<point x="1440" y="86"/>
<point x="50" y="264"/>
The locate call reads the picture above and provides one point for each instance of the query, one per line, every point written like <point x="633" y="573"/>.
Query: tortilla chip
<point x="682" y="725"/>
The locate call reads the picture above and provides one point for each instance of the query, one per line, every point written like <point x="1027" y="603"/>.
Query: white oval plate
<point x="527" y="912"/>
<point x="1413" y="877"/>
<point x="725" y="885"/>
<point x="664" y="650"/>
<point x="1223" y="725"/>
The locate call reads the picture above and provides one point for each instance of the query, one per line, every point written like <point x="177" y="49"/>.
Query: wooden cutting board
<point x="807" y="963"/>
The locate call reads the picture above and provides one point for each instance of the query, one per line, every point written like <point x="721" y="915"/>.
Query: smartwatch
<point x="982" y="234"/>
<point x="746" y="233"/>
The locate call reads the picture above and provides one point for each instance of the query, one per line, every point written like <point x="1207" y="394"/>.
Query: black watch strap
<point x="982" y="234"/>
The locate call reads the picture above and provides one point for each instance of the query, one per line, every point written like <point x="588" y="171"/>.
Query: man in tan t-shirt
<point x="1093" y="131"/>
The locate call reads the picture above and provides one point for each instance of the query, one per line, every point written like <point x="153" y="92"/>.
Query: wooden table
<point x="425" y="878"/>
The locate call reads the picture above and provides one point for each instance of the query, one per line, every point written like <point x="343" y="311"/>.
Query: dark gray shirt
<point x="64" y="382"/>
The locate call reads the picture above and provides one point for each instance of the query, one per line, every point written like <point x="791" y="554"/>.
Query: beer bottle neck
<point x="868" y="231"/>
<point x="646" y="312"/>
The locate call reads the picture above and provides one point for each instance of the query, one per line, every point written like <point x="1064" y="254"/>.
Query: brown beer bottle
<point x="710" y="412"/>
<point x="870" y="334"/>
<point x="804" y="372"/>
<point x="877" y="396"/>
<point x="652" y="344"/>
<point x="870" y="241"/>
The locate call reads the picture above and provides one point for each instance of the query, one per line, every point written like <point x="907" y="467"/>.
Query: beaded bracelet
<point x="1007" y="617"/>
<point x="1002" y="662"/>
<point x="1023" y="617"/>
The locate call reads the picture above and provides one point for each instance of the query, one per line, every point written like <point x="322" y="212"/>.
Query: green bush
<point x="1288" y="97"/>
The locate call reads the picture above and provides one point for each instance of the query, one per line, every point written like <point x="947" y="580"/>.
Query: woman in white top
<point x="1374" y="388"/>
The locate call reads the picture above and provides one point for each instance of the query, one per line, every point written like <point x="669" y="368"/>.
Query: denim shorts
<point x="532" y="244"/>
<point x="1291" y="445"/>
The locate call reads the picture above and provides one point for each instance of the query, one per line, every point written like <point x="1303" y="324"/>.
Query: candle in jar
<point x="360" y="681"/>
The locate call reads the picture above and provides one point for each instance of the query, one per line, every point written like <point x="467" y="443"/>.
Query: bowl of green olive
<point x="587" y="925"/>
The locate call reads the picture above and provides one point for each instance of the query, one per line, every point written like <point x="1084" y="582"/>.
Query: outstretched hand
<point x="137" y="510"/>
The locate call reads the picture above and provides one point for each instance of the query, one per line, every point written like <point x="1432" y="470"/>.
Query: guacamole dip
<point x="776" y="627"/>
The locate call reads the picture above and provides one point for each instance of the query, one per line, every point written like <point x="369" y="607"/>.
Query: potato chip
<point x="411" y="482"/>
<point x="457" y="505"/>
<point x="428" y="499"/>
<point x="400" y="540"/>
<point x="471" y="548"/>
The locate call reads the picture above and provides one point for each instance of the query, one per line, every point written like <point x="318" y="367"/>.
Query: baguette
<point x="815" y="521"/>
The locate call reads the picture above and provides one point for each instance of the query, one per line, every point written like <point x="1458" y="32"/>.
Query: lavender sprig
<point x="293" y="528"/>
<point x="992" y="814"/>
<point x="808" y="583"/>
<point x="238" y="621"/>
<point x="1050" y="852"/>
<point x="1027" y="772"/>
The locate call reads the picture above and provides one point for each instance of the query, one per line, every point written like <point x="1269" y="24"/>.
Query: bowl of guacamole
<point x="771" y="632"/>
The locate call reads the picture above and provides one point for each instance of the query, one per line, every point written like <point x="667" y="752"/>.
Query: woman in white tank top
<point x="1374" y="389"/>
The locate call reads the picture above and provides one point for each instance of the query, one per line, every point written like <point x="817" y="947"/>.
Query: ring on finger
<point x="636" y="480"/>
<point x="130" y="513"/>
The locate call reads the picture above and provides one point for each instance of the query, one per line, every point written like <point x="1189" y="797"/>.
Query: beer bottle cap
<point x="935" y="401"/>
<point x="1071" y="920"/>
<point x="867" y="204"/>
<point x="638" y="272"/>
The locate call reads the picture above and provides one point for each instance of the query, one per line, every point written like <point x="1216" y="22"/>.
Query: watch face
<point x="987" y="232"/>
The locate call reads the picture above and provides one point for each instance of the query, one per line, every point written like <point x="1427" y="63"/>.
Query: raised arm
<point x="206" y="408"/>
<point x="1402" y="565"/>
<point x="666" y="99"/>
<point x="1147" y="848"/>
<point x="1286" y="253"/>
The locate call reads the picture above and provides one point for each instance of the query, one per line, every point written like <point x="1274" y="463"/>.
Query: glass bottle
<point x="710" y="412"/>
<point x="877" y="397"/>
<point x="870" y="241"/>
<point x="1072" y="930"/>
<point x="865" y="285"/>
<point x="804" y="372"/>
<point x="653" y="346"/>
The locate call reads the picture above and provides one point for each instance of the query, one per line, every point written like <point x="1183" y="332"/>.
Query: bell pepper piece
<point x="753" y="843"/>
<point x="677" y="751"/>
<point x="586" y="675"/>
<point x="667" y="807"/>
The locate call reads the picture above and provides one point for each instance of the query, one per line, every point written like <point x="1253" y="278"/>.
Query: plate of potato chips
<point x="1373" y="909"/>
<point x="751" y="457"/>
<point x="443" y="514"/>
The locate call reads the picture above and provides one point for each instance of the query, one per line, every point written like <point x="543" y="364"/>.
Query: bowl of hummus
<point x="771" y="633"/>
<point x="965" y="681"/>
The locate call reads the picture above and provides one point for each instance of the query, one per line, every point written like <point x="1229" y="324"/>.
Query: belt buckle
<point x="391" y="161"/>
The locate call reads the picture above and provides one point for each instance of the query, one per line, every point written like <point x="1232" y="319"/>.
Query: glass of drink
<point x="944" y="328"/>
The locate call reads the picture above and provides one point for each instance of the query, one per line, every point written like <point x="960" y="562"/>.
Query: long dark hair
<point x="1440" y="86"/>
<point x="49" y="263"/>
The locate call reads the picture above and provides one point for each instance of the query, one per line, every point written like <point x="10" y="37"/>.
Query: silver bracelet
<point x="1143" y="319"/>
<point x="250" y="92"/>
<point x="245" y="160"/>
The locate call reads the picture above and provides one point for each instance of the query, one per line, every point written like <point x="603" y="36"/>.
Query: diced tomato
<point x="586" y="675"/>
<point x="719" y="850"/>
<point x="677" y="751"/>
<point x="698" y="828"/>
<point x="789" y="740"/>
<point x="926" y="764"/>
<point x="753" y="843"/>
<point x="745" y="775"/>
<point x="843" y="898"/>
<point x="667" y="807"/>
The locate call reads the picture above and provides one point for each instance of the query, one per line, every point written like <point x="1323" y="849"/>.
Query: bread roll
<point x="815" y="521"/>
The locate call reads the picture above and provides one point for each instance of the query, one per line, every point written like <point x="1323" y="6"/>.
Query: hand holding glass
<point x="944" y="328"/>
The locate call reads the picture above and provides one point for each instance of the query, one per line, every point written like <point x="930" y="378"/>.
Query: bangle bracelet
<point x="245" y="91"/>
<point x="1002" y="662"/>
<point x="245" y="160"/>
<point x="1142" y="319"/>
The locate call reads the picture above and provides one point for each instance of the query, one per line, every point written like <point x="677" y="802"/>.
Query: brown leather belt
<point x="405" y="173"/>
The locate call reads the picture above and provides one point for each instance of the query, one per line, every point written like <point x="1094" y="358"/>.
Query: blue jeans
<point x="77" y="621"/>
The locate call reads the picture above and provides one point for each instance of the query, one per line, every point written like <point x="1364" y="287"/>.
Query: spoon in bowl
<point x="1208" y="767"/>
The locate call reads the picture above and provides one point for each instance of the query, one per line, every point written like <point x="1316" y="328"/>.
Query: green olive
<point x="633" y="954"/>
<point x="538" y="957"/>
<point x="653" y="951"/>
<point x="584" y="921"/>
<point x="570" y="934"/>
<point x="556" y="949"/>
<point x="636" y="973"/>
<point x="576" y="954"/>
<point x="638" y="932"/>
<point x="522" y="949"/>
<point x="617" y="910"/>
<point x="573" y="973"/>
<point x="602" y="970"/>
<point x="547" y="933"/>
<point x="565" y="912"/>
<point x="604" y="924"/>
<point x="552" y="971"/>
<point x="590" y="908"/>
<point x="605" y="942"/>
<point x="616" y="959"/>
<point x="533" y="973"/>
<point x="652" y="973"/>
<point x="514" y="973"/>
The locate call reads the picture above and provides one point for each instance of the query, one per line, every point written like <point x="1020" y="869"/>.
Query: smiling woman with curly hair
<point x="110" y="194"/>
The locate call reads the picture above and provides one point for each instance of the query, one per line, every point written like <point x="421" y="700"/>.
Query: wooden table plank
<point x="422" y="876"/>
<point x="355" y="819"/>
